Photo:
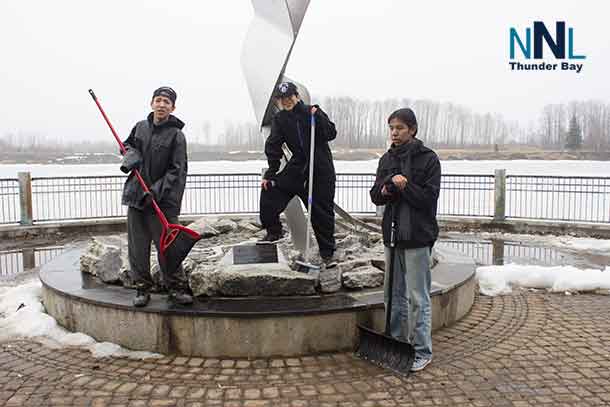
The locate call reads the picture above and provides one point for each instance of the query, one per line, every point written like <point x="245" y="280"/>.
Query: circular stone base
<point x="234" y="327"/>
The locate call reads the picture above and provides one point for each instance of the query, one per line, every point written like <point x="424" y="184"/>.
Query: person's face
<point x="289" y="102"/>
<point x="400" y="133"/>
<point x="162" y="107"/>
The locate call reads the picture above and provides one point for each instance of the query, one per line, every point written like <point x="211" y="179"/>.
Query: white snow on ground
<point x="499" y="280"/>
<point x="570" y="243"/>
<point x="22" y="315"/>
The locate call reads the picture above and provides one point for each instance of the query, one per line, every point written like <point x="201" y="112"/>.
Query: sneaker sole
<point x="418" y="369"/>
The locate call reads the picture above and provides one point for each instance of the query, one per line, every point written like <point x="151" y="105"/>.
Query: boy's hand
<point x="314" y="110"/>
<point x="400" y="181"/>
<point x="147" y="199"/>
<point x="266" y="184"/>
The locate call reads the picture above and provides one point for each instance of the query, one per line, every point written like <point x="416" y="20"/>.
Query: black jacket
<point x="415" y="206"/>
<point x="159" y="152"/>
<point x="294" y="128"/>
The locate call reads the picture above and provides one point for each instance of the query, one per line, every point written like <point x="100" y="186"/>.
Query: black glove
<point x="132" y="159"/>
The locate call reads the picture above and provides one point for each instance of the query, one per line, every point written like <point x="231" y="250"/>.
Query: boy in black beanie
<point x="157" y="148"/>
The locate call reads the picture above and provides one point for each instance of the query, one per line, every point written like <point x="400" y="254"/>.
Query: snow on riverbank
<point x="22" y="315"/>
<point x="487" y="167"/>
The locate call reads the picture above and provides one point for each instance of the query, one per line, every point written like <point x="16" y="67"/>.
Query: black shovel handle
<point x="388" y="312"/>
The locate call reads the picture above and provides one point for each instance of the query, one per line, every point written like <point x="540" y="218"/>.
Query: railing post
<point x="29" y="259"/>
<point x="25" y="198"/>
<point x="497" y="252"/>
<point x="500" y="195"/>
<point x="379" y="210"/>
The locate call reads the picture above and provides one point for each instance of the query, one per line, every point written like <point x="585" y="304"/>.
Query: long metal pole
<point x="310" y="184"/>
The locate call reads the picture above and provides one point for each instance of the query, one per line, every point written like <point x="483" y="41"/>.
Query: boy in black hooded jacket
<point x="408" y="183"/>
<point x="157" y="148"/>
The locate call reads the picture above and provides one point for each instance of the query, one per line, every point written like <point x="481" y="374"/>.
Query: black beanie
<point x="167" y="92"/>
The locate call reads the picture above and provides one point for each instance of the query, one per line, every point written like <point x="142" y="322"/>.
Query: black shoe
<point x="180" y="297"/>
<point x="142" y="298"/>
<point x="271" y="237"/>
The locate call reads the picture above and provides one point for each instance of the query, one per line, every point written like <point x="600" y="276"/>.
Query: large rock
<point x="204" y="228"/>
<point x="205" y="280"/>
<point x="248" y="226"/>
<point x="363" y="277"/>
<point x="225" y="226"/>
<point x="265" y="279"/>
<point x="105" y="257"/>
<point x="330" y="280"/>
<point x="352" y="264"/>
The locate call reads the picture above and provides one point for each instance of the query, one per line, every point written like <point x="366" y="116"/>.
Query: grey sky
<point x="53" y="51"/>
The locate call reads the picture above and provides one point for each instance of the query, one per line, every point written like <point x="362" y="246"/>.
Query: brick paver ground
<point x="526" y="349"/>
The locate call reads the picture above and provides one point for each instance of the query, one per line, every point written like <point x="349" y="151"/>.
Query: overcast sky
<point x="53" y="51"/>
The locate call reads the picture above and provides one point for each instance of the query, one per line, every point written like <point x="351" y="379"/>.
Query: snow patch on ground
<point x="499" y="280"/>
<point x="22" y="315"/>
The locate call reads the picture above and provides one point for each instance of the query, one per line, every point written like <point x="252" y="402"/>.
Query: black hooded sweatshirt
<point x="414" y="207"/>
<point x="294" y="128"/>
<point x="162" y="163"/>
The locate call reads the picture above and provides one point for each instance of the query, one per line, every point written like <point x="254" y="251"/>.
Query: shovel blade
<point x="176" y="245"/>
<point x="385" y="351"/>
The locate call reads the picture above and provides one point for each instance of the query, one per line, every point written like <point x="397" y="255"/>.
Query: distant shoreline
<point x="512" y="153"/>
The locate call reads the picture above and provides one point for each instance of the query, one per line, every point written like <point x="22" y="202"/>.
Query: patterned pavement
<point x="526" y="349"/>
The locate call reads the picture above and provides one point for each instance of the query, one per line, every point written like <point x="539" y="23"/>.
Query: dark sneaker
<point x="329" y="261"/>
<point x="141" y="299"/>
<point x="271" y="237"/>
<point x="181" y="298"/>
<point x="420" y="363"/>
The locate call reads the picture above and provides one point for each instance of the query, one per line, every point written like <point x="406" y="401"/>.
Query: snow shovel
<point x="176" y="241"/>
<point x="305" y="265"/>
<point x="381" y="348"/>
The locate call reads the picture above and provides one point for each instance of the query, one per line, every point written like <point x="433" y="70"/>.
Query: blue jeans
<point x="411" y="318"/>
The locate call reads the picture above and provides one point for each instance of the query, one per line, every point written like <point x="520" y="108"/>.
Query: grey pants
<point x="142" y="228"/>
<point x="411" y="318"/>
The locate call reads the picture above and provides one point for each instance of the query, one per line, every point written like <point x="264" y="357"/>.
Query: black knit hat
<point x="167" y="92"/>
<point x="285" y="89"/>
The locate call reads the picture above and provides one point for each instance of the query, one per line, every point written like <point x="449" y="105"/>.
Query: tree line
<point x="362" y="124"/>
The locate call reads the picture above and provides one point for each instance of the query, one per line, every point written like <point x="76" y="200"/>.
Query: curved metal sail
<point x="266" y="51"/>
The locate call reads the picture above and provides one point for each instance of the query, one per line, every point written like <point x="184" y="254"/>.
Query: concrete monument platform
<point x="235" y="327"/>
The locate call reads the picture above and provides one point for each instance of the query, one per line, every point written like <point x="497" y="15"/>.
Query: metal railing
<point x="577" y="199"/>
<point x="466" y="195"/>
<point x="18" y="260"/>
<point x="76" y="198"/>
<point x="221" y="193"/>
<point x="9" y="201"/>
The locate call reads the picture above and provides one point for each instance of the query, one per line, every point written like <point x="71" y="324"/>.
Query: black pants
<point x="274" y="200"/>
<point x="142" y="228"/>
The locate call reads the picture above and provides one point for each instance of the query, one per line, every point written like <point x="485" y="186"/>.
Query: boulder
<point x="242" y="280"/>
<point x="105" y="257"/>
<point x="330" y="280"/>
<point x="225" y="226"/>
<point x="363" y="277"/>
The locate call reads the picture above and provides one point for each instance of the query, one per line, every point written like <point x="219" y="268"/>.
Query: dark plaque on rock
<point x="250" y="254"/>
